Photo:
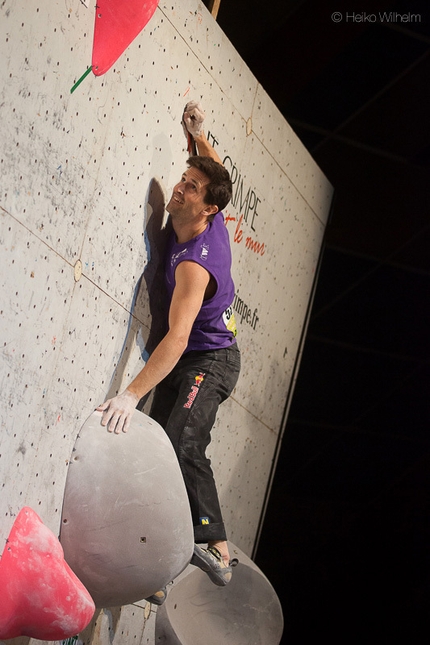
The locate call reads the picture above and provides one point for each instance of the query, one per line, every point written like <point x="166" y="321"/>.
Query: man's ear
<point x="210" y="210"/>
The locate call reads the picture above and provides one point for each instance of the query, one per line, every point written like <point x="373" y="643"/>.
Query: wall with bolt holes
<point x="83" y="182"/>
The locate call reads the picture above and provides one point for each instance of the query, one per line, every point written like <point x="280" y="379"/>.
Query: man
<point x="196" y="365"/>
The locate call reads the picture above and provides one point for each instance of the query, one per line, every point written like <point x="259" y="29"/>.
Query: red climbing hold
<point x="116" y="25"/>
<point x="40" y="595"/>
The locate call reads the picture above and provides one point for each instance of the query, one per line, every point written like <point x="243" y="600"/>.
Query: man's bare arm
<point x="187" y="299"/>
<point x="191" y="283"/>
<point x="205" y="149"/>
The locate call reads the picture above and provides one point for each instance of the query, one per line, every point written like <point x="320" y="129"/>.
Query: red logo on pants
<point x="194" y="389"/>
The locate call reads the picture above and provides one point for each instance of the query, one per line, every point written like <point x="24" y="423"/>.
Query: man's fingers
<point x="193" y="117"/>
<point x="103" y="406"/>
<point x="109" y="416"/>
<point x="117" y="422"/>
<point x="117" y="412"/>
<point x="190" y="106"/>
<point x="107" y="419"/>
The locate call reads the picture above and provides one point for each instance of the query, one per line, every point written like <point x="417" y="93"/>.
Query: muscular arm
<point x="191" y="283"/>
<point x="205" y="149"/>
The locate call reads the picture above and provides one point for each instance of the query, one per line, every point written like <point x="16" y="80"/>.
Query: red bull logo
<point x="194" y="390"/>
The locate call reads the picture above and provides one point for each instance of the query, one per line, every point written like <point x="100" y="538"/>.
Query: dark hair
<point x="219" y="189"/>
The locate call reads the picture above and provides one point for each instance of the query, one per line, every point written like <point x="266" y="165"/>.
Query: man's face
<point x="187" y="201"/>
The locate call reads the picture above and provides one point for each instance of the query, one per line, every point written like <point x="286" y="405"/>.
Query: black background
<point x="345" y="540"/>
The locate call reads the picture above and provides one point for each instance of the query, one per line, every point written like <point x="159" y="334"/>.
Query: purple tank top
<point x="215" y="326"/>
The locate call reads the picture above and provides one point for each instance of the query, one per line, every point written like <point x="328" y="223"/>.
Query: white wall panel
<point x="215" y="52"/>
<point x="131" y="624"/>
<point x="83" y="183"/>
<point x="62" y="341"/>
<point x="34" y="282"/>
<point x="241" y="451"/>
<point x="278" y="137"/>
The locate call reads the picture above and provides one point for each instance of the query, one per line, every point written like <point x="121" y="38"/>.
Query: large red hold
<point x="41" y="597"/>
<point x="117" y="24"/>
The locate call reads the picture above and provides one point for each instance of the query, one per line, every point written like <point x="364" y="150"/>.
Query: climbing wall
<point x="83" y="180"/>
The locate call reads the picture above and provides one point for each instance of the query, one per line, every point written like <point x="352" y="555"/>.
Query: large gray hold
<point x="126" y="526"/>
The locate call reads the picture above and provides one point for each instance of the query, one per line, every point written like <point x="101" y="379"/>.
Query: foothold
<point x="78" y="270"/>
<point x="41" y="597"/>
<point x="245" y="612"/>
<point x="249" y="127"/>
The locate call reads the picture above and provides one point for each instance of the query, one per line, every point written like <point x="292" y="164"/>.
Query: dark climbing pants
<point x="185" y="404"/>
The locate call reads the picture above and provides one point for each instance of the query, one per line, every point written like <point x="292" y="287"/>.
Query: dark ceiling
<point x="346" y="536"/>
